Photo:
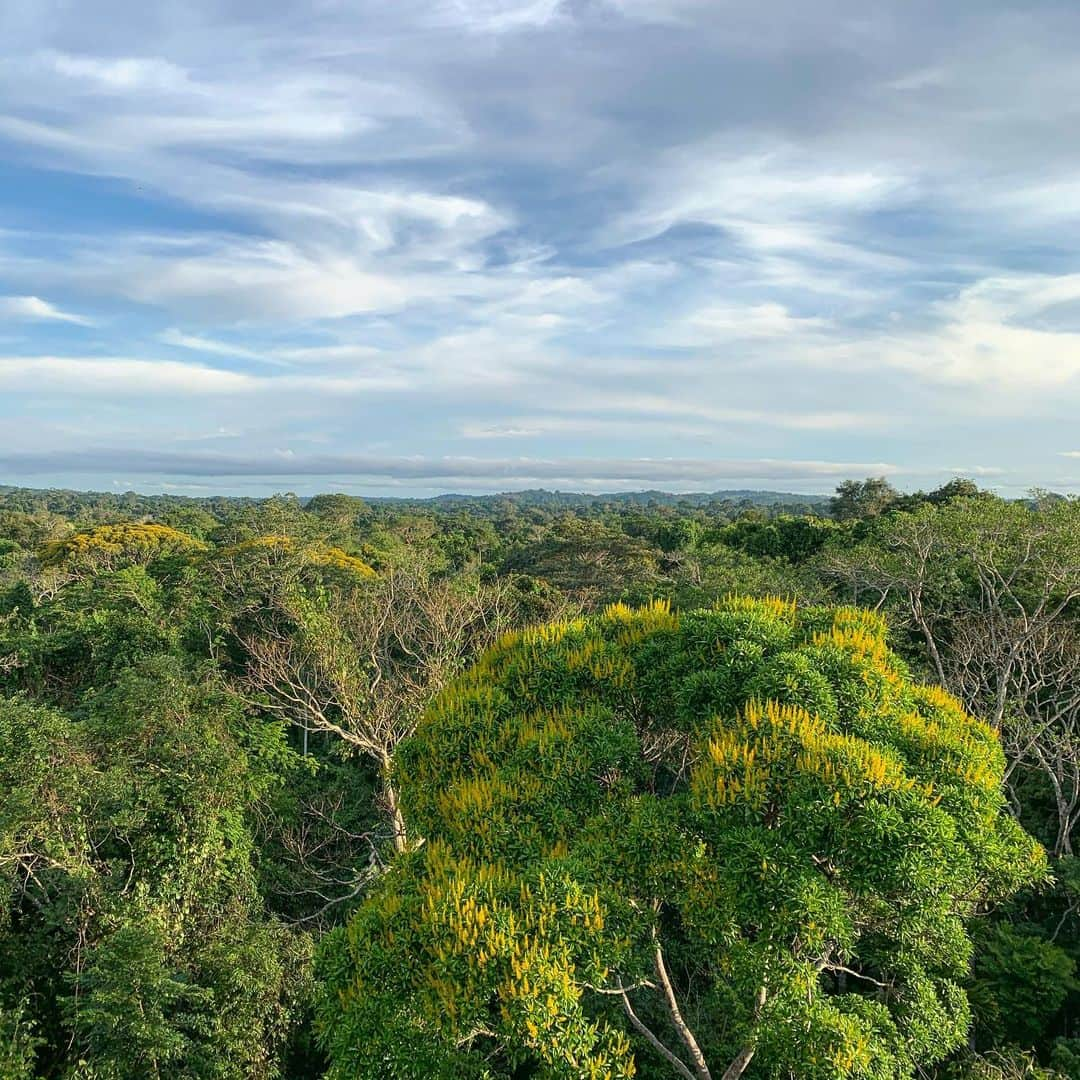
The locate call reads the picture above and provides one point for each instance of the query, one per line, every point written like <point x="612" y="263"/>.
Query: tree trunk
<point x="393" y="809"/>
<point x="739" y="1065"/>
<point x="701" y="1070"/>
<point x="742" y="1059"/>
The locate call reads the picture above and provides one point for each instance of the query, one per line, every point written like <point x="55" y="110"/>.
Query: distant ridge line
<point x="529" y="497"/>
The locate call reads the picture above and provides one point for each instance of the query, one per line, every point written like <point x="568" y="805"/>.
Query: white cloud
<point x="120" y="75"/>
<point x="151" y="380"/>
<point x="661" y="418"/>
<point x="716" y="323"/>
<point x="976" y="470"/>
<point x="999" y="334"/>
<point x="333" y="356"/>
<point x="801" y="420"/>
<point x="34" y="309"/>
<point x="497" y="16"/>
<point x="777" y="199"/>
<point x="673" y="11"/>
<point x="239" y="279"/>
<point x="197" y="343"/>
<point x="107" y="376"/>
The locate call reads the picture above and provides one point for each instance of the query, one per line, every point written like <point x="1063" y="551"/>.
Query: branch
<point x="681" y="1027"/>
<point x="676" y="1063"/>
<point x="742" y="1059"/>
<point x="824" y="965"/>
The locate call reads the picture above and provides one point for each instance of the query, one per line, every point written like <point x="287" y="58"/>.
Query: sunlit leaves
<point x="759" y="790"/>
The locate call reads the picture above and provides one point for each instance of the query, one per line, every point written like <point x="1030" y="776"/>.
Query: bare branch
<point x="675" y="1062"/>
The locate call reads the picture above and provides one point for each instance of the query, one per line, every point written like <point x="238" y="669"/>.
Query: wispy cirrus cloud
<point x="108" y="376"/>
<point x="1018" y="336"/>
<point x="594" y="228"/>
<point x="34" y="309"/>
<point x="197" y="343"/>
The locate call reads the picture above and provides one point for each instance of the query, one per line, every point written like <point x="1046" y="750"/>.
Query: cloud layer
<point x="580" y="242"/>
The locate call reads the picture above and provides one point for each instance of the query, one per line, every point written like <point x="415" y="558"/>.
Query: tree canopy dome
<point x="754" y="807"/>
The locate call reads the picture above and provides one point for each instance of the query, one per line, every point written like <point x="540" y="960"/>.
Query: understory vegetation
<point x="539" y="786"/>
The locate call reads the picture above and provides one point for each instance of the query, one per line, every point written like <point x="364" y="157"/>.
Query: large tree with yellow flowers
<point x="736" y="842"/>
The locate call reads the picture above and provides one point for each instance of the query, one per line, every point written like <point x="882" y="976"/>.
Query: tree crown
<point x="752" y="807"/>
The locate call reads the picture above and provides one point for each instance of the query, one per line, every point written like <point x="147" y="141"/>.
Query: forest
<point x="540" y="786"/>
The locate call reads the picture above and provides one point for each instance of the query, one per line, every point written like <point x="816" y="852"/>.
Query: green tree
<point x="990" y="590"/>
<point x="1007" y="1064"/>
<point x="1021" y="980"/>
<point x="18" y="1043"/>
<point x="957" y="488"/>
<point x="680" y="845"/>
<point x="130" y="919"/>
<point x="856" y="499"/>
<point x="792" y="538"/>
<point x="589" y="561"/>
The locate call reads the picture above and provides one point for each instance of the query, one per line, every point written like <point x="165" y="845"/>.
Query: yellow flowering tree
<point x="274" y="549"/>
<point x="110" y="547"/>
<point x="734" y="842"/>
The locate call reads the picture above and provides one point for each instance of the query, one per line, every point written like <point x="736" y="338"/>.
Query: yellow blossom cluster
<point x="316" y="554"/>
<point x="111" y="546"/>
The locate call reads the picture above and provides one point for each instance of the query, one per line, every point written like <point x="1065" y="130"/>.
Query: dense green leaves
<point x="132" y="921"/>
<point x="754" y="799"/>
<point x="176" y="836"/>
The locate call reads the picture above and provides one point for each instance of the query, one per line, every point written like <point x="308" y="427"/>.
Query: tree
<point x="1002" y="1065"/>
<point x="795" y="539"/>
<point x="1021" y="980"/>
<point x="19" y="1043"/>
<point x="991" y="589"/>
<point x="857" y="499"/>
<point x="87" y="635"/>
<point x="110" y="547"/>
<point x="957" y="488"/>
<point x="680" y="845"/>
<point x="337" y="514"/>
<point x="362" y="663"/>
<point x="341" y="510"/>
<point x="1041" y="722"/>
<point x="588" y="560"/>
<point x="132" y="934"/>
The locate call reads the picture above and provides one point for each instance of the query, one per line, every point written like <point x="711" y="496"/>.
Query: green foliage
<point x="30" y="530"/>
<point x="168" y="860"/>
<point x="1002" y="1065"/>
<point x="338" y="510"/>
<point x="756" y="794"/>
<point x="84" y="637"/>
<point x="139" y="1017"/>
<point x="784" y="537"/>
<point x="1065" y="1058"/>
<point x="18" y="1043"/>
<point x="590" y="559"/>
<point x="1021" y="981"/>
<point x="855" y="499"/>
<point x="131" y="914"/>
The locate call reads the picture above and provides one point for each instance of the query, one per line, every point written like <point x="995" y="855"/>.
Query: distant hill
<point x="67" y="501"/>
<point x="570" y="500"/>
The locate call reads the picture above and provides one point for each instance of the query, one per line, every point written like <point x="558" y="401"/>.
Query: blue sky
<point x="590" y="244"/>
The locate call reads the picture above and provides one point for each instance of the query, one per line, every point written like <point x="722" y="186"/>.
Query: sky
<point x="476" y="245"/>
